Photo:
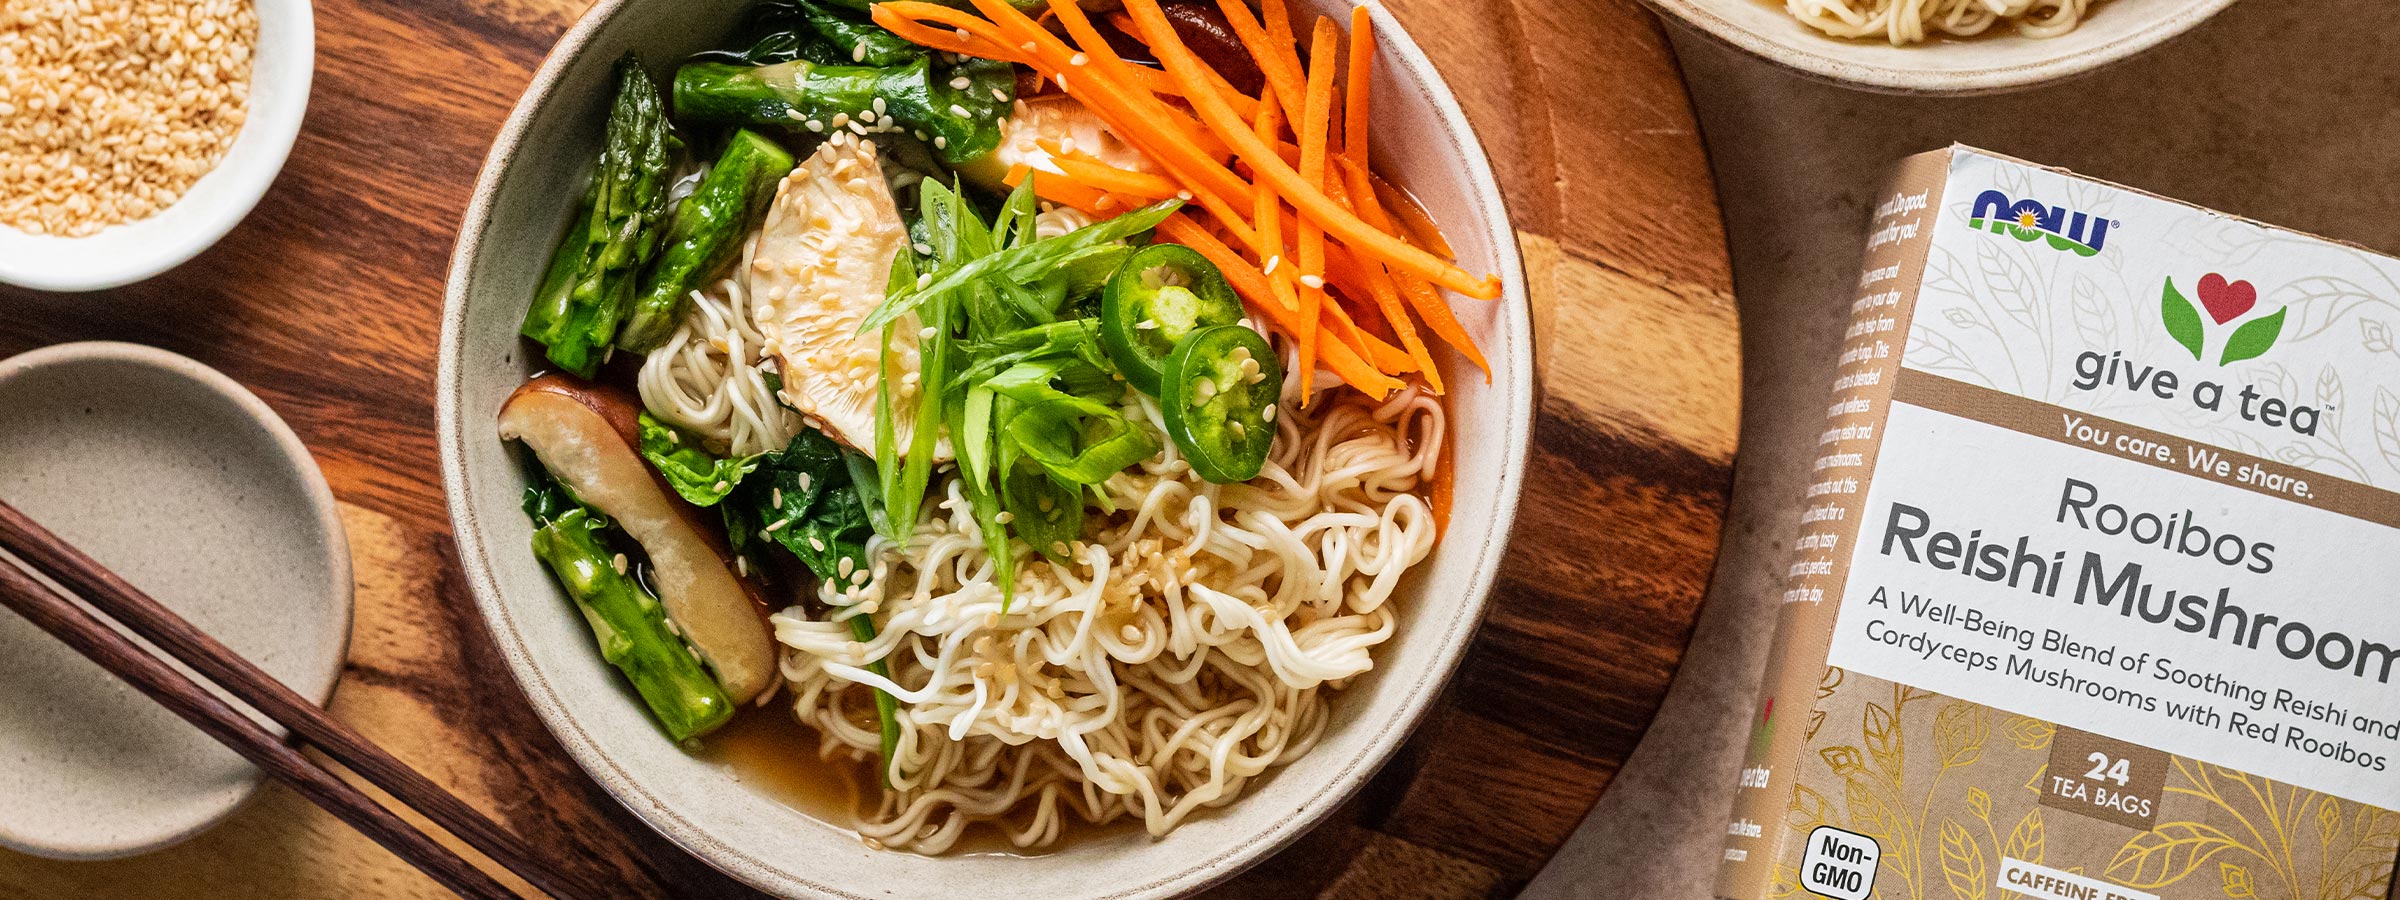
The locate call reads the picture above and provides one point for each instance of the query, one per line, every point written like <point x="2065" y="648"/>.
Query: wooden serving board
<point x="327" y="300"/>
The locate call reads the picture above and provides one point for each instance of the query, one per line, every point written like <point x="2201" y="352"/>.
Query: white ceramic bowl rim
<point x="318" y="683"/>
<point x="1513" y="364"/>
<point x="1837" y="60"/>
<point x="281" y="71"/>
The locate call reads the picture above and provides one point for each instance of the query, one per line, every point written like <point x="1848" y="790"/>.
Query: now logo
<point x="2224" y="302"/>
<point x="2030" y="220"/>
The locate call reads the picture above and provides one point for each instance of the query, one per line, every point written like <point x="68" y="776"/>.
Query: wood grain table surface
<point x="326" y="302"/>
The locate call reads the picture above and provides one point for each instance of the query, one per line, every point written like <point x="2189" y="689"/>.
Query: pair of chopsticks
<point x="53" y="612"/>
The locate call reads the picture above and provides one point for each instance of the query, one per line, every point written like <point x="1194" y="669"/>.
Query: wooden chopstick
<point x="138" y="612"/>
<point x="79" y="629"/>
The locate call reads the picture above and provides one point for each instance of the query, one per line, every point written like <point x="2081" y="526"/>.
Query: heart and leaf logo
<point x="2223" y="301"/>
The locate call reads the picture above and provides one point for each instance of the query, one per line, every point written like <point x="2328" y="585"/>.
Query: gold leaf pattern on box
<point x="1944" y="824"/>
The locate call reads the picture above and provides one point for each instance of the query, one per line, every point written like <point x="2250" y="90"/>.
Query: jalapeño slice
<point x="1163" y="293"/>
<point x="1220" y="390"/>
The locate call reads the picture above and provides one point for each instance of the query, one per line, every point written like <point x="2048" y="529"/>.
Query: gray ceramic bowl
<point x="183" y="482"/>
<point x="520" y="205"/>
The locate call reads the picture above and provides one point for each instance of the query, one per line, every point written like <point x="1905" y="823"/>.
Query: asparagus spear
<point x="629" y="623"/>
<point x="962" y="123"/>
<point x="707" y="228"/>
<point x="619" y="234"/>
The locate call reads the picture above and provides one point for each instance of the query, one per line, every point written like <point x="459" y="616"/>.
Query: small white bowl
<point x="180" y="480"/>
<point x="280" y="71"/>
<point x="2112" y="31"/>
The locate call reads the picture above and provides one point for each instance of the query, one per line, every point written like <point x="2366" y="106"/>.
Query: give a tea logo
<point x="2225" y="301"/>
<point x="2029" y="220"/>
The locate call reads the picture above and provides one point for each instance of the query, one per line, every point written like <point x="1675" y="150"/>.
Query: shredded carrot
<point x="1380" y="288"/>
<point x="1280" y="40"/>
<point x="1142" y="120"/>
<point x="1269" y="210"/>
<point x="1345" y="332"/>
<point x="1309" y="199"/>
<point x="1281" y="70"/>
<point x="1094" y="173"/>
<point x="1316" y="112"/>
<point x="981" y="39"/>
<point x="1057" y="189"/>
<point x="1340" y="359"/>
<point x="1354" y="101"/>
<point x="1428" y="303"/>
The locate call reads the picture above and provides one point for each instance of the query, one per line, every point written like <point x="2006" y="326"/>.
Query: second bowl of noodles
<point x="1942" y="46"/>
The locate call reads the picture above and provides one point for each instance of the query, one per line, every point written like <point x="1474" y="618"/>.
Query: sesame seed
<point x="959" y="111"/>
<point x="879" y="106"/>
<point x="1130" y="633"/>
<point x="1316" y="282"/>
<point x="1268" y="413"/>
<point x="778" y="525"/>
<point x="999" y="95"/>
<point x="778" y="498"/>
<point x="619" y="564"/>
<point x="817" y="544"/>
<point x="858" y="52"/>
<point x="923" y="281"/>
<point x="816" y="126"/>
<point x="1272" y="262"/>
<point x="110" y="112"/>
<point x="1062" y="81"/>
<point x="926" y="333"/>
<point x="1005" y="517"/>
<point x="939" y="142"/>
<point x="1079" y="59"/>
<point x="804" y="480"/>
<point x="1146" y="325"/>
<point x="961" y="83"/>
<point x="922" y="249"/>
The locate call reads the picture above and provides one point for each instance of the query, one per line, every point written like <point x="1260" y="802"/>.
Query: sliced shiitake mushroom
<point x="585" y="434"/>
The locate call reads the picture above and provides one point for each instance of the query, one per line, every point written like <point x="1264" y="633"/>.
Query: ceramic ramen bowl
<point x="521" y="203"/>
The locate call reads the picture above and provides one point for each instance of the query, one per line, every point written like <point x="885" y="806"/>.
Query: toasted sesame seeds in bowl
<point x="135" y="133"/>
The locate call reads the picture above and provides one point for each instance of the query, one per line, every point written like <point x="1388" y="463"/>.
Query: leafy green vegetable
<point x="776" y="31"/>
<point x="963" y="123"/>
<point x="811" y="498"/>
<point x="689" y="468"/>
<point x="861" y="42"/>
<point x="576" y="316"/>
<point x="803" y="500"/>
<point x="706" y="230"/>
<point x="630" y="623"/>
